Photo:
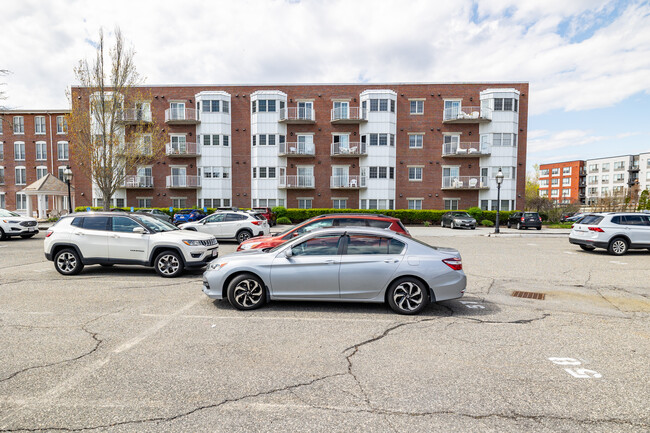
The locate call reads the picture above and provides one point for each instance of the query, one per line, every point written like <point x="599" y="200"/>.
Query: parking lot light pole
<point x="499" y="178"/>
<point x="67" y="175"/>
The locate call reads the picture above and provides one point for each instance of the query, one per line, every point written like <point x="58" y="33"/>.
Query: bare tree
<point x="3" y="95"/>
<point x="110" y="124"/>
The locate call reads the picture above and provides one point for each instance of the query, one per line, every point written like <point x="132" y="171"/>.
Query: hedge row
<point x="407" y="216"/>
<point x="128" y="209"/>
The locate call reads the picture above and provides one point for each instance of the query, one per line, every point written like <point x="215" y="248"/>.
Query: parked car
<point x="617" y="232"/>
<point x="327" y="220"/>
<point x="574" y="218"/>
<point x="458" y="219"/>
<point x="14" y="224"/>
<point x="359" y="264"/>
<point x="156" y="213"/>
<point x="267" y="213"/>
<point x="230" y="225"/>
<point x="524" y="220"/>
<point x="109" y="238"/>
<point x="188" y="215"/>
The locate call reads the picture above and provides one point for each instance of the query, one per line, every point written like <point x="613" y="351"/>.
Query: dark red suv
<point x="323" y="221"/>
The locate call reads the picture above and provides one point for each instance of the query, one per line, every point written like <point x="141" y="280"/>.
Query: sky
<point x="587" y="61"/>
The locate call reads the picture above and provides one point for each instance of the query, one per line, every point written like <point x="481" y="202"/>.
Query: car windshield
<point x="279" y="235"/>
<point x="143" y="210"/>
<point x="8" y="213"/>
<point x="274" y="249"/>
<point x="155" y="224"/>
<point x="462" y="214"/>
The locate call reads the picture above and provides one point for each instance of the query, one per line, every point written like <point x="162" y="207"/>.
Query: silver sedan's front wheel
<point x="408" y="296"/>
<point x="168" y="264"/>
<point x="246" y="292"/>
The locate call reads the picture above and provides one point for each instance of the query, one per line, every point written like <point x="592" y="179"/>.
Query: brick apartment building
<point x="563" y="182"/>
<point x="392" y="146"/>
<point x="588" y="181"/>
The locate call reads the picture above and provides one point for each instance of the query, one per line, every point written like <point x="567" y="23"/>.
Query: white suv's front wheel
<point x="168" y="264"/>
<point x="68" y="262"/>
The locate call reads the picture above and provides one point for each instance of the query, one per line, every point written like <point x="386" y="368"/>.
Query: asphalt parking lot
<point x="121" y="349"/>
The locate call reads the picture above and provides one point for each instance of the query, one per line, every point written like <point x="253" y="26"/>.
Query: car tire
<point x="518" y="226"/>
<point x="473" y="227"/>
<point x="408" y="296"/>
<point x="68" y="262"/>
<point x="246" y="292"/>
<point x="243" y="235"/>
<point x="442" y="224"/>
<point x="3" y="236"/>
<point x="168" y="264"/>
<point x="28" y="236"/>
<point x="509" y="225"/>
<point x="587" y="247"/>
<point x="618" y="246"/>
<point x="451" y="225"/>
<point x="539" y="228"/>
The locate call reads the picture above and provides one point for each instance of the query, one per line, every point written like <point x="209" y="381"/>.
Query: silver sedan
<point x="340" y="264"/>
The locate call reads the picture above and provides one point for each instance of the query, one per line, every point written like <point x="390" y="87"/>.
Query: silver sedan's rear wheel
<point x="168" y="264"/>
<point x="246" y="292"/>
<point x="408" y="296"/>
<point x="68" y="262"/>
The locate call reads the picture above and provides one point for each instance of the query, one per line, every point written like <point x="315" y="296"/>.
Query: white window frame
<point x="305" y="200"/>
<point x="419" y="106"/>
<point x="61" y="125"/>
<point x="414" y="202"/>
<point x="39" y="121"/>
<point x="66" y="152"/>
<point x="41" y="150"/>
<point x="43" y="171"/>
<point x="23" y="177"/>
<point x="21" y="125"/>
<point x="451" y="203"/>
<point x="416" y="143"/>
<point x="416" y="169"/>
<point x="19" y="145"/>
<point x="339" y="199"/>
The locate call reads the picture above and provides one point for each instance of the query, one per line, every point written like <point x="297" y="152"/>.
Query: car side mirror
<point x="139" y="230"/>
<point x="295" y="234"/>
<point x="288" y="253"/>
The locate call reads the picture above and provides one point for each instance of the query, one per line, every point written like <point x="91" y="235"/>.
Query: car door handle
<point x="331" y="262"/>
<point x="391" y="261"/>
<point x="115" y="236"/>
<point x="78" y="233"/>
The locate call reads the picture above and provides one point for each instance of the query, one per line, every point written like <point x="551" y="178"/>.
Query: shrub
<point x="427" y="223"/>
<point x="279" y="211"/>
<point x="488" y="223"/>
<point x="476" y="213"/>
<point x="283" y="220"/>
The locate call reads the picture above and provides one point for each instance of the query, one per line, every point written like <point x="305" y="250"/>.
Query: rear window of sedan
<point x="531" y="215"/>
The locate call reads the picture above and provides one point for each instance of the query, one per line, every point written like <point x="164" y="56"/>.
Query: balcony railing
<point x="182" y="116"/>
<point x="619" y="168"/>
<point x="183" y="149"/>
<point x="634" y="167"/>
<point x="349" y="115"/>
<point x="134" y="115"/>
<point x="349" y="149"/>
<point x="348" y="182"/>
<point x="297" y="182"/>
<point x="183" y="181"/>
<point x="465" y="182"/>
<point x="465" y="149"/>
<point x="297" y="115"/>
<point x="467" y="115"/>
<point x="135" y="182"/>
<point x="297" y="149"/>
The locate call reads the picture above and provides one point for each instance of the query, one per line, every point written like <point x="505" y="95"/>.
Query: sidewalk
<point x="438" y="231"/>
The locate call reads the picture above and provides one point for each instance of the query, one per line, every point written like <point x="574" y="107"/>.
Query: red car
<point x="266" y="212"/>
<point x="322" y="221"/>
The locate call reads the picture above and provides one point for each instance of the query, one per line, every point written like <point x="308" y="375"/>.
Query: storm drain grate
<point x="528" y="295"/>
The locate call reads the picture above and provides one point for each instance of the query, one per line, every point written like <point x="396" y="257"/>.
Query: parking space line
<point x="616" y="262"/>
<point x="306" y="319"/>
<point x="570" y="252"/>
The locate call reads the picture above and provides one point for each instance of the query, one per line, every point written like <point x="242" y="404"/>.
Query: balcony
<point x="297" y="116"/>
<point x="184" y="182"/>
<point x="634" y="167"/>
<point x="465" y="150"/>
<point x="349" y="149"/>
<point x="134" y="116"/>
<point x="138" y="182"/>
<point x="467" y="115"/>
<point x="349" y="115"/>
<point x="296" y="182"/>
<point x="582" y="172"/>
<point x="297" y="150"/>
<point x="348" y="182"/>
<point x="465" y="182"/>
<point x="182" y="116"/>
<point x="183" y="150"/>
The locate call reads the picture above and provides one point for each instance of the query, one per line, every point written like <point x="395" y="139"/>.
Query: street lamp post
<point x="67" y="175"/>
<point x="499" y="177"/>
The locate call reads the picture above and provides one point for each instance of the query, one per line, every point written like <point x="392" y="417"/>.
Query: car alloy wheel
<point x="407" y="296"/>
<point x="168" y="264"/>
<point x="243" y="235"/>
<point x="246" y="292"/>
<point x="67" y="262"/>
<point x="452" y="225"/>
<point x="442" y="223"/>
<point x="518" y="226"/>
<point x="618" y="247"/>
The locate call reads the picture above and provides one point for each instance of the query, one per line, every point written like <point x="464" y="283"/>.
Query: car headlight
<point x="250" y="245"/>
<point x="193" y="243"/>
<point x="11" y="222"/>
<point x="217" y="266"/>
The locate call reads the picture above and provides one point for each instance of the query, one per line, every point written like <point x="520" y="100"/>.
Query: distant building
<point x="563" y="182"/>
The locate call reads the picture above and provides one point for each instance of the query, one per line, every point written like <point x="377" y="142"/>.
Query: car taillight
<point x="257" y="222"/>
<point x="540" y="219"/>
<point x="522" y="218"/>
<point x="454" y="263"/>
<point x="596" y="229"/>
<point x="49" y="233"/>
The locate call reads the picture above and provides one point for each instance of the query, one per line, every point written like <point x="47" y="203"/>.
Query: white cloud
<point x="264" y="41"/>
<point x="542" y="140"/>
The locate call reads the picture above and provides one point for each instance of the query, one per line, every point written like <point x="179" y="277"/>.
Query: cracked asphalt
<point x="122" y="350"/>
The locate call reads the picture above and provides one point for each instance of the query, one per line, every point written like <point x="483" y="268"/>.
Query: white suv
<point x="108" y="238"/>
<point x="617" y="232"/>
<point x="231" y="225"/>
<point x="13" y="224"/>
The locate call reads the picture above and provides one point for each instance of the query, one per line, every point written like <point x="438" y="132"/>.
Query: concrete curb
<point x="527" y="235"/>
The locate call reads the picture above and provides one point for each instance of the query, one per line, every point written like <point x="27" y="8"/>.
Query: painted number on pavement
<point x="580" y="373"/>
<point x="472" y="304"/>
